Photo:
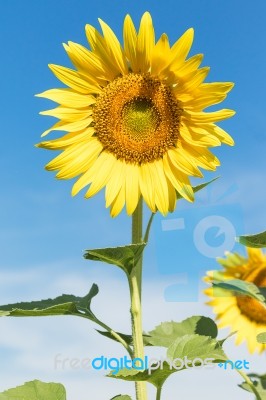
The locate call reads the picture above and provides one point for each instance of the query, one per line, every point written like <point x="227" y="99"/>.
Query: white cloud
<point x="30" y="346"/>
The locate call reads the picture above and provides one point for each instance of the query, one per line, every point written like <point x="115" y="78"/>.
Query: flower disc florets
<point x="137" y="118"/>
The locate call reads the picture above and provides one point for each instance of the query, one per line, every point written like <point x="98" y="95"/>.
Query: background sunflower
<point x="242" y="314"/>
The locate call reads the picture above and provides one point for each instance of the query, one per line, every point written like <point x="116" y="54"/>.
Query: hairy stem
<point x="135" y="280"/>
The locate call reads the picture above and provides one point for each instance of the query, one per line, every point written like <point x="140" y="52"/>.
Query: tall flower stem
<point x="158" y="393"/>
<point x="135" y="280"/>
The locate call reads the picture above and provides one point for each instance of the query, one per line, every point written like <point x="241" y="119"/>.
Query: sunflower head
<point x="134" y="117"/>
<point x="241" y="313"/>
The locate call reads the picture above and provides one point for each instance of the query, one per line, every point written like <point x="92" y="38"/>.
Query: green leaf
<point x="190" y="346"/>
<point x="165" y="333"/>
<point x="122" y="397"/>
<point x="63" y="305"/>
<point x="196" y="346"/>
<point x="125" y="257"/>
<point x="157" y="377"/>
<point x="258" y="240"/>
<point x="261" y="337"/>
<point x="259" y="381"/>
<point x="35" y="390"/>
<point x="197" y="188"/>
<point x="241" y="287"/>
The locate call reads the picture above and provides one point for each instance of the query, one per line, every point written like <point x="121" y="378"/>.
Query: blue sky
<point x="43" y="230"/>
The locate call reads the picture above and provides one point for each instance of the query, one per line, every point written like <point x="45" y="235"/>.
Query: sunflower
<point x="134" y="117"/>
<point x="243" y="314"/>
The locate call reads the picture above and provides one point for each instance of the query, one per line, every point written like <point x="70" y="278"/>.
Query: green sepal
<point x="197" y="188"/>
<point x="124" y="257"/>
<point x="259" y="381"/>
<point x="191" y="346"/>
<point x="121" y="397"/>
<point x="240" y="287"/>
<point x="257" y="241"/>
<point x="261" y="337"/>
<point x="35" y="390"/>
<point x="63" y="305"/>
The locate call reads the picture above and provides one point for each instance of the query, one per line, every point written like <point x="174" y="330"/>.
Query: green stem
<point x="158" y="393"/>
<point x="135" y="280"/>
<point x="250" y="383"/>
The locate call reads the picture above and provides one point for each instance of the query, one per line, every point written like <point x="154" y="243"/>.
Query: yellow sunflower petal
<point x="202" y="140"/>
<point x="119" y="202"/>
<point x="100" y="176"/>
<point x="88" y="63"/>
<point x="147" y="185"/>
<point x="68" y="114"/>
<point x="203" y="117"/>
<point x="132" y="187"/>
<point x="68" y="98"/>
<point x="145" y="42"/>
<point x="223" y="136"/>
<point x="188" y="66"/>
<point x="114" y="47"/>
<point x="216" y="87"/>
<point x="203" y="157"/>
<point x="179" y="181"/>
<point x="161" y="187"/>
<point x="67" y="140"/>
<point x="201" y="102"/>
<point x="115" y="182"/>
<point x="99" y="47"/>
<point x="183" y="163"/>
<point x="73" y="80"/>
<point x="181" y="48"/>
<point x="256" y="255"/>
<point x="160" y="55"/>
<point x="191" y="82"/>
<point x="82" y="161"/>
<point x="69" y="126"/>
<point x="96" y="172"/>
<point x="130" y="43"/>
<point x="172" y="196"/>
<point x="72" y="152"/>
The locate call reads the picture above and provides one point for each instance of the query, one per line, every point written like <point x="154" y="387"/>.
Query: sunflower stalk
<point x="158" y="393"/>
<point x="135" y="282"/>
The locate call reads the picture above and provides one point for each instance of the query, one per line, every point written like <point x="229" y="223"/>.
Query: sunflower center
<point x="137" y="118"/>
<point x="252" y="308"/>
<point x="140" y="119"/>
